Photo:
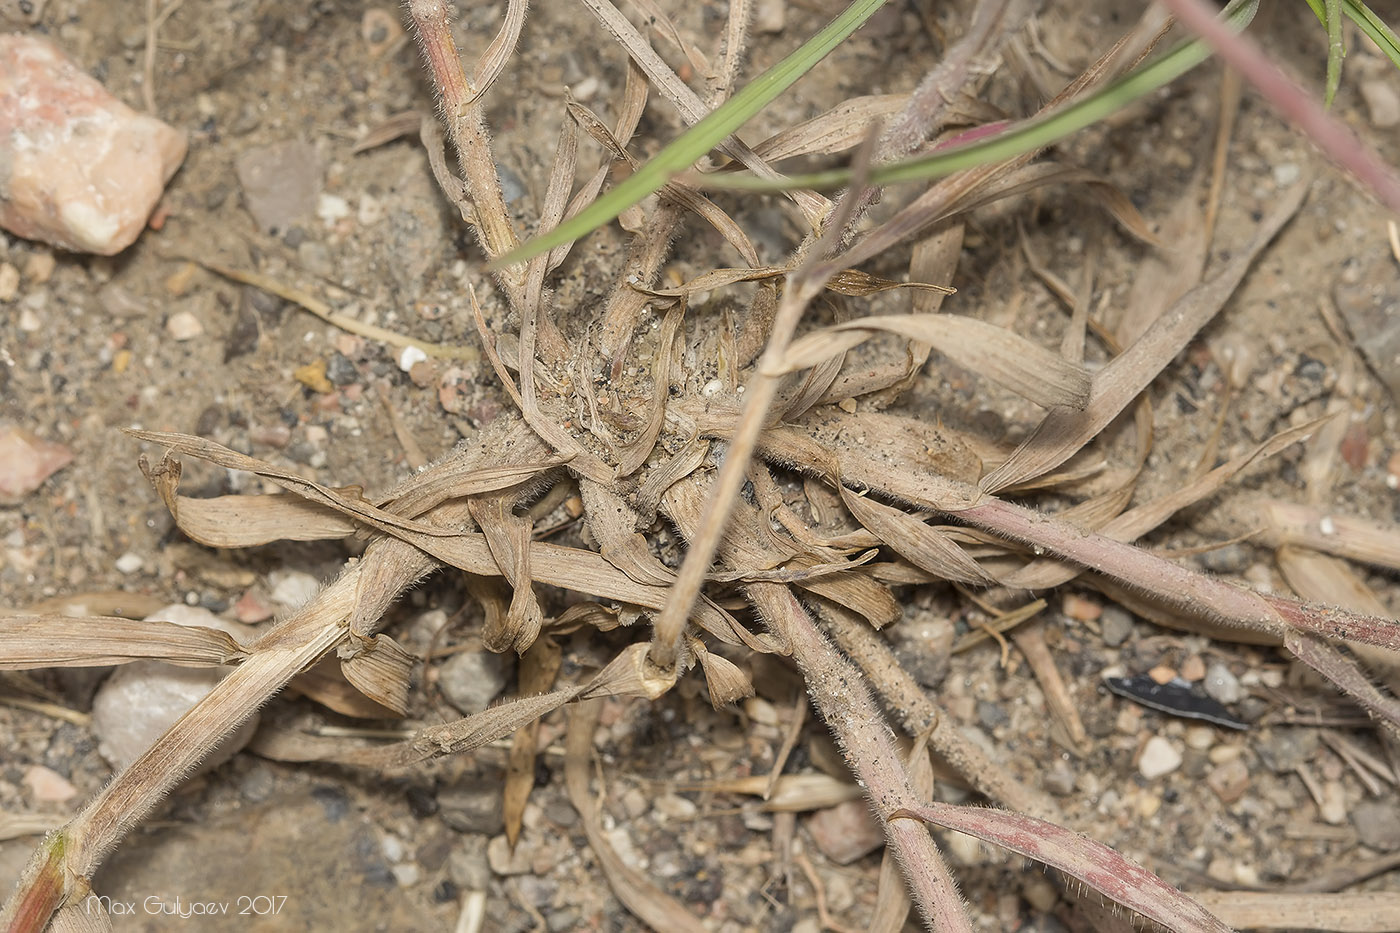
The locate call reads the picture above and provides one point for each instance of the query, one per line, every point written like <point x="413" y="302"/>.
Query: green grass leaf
<point x="1374" y="27"/>
<point x="695" y="142"/>
<point x="1020" y="138"/>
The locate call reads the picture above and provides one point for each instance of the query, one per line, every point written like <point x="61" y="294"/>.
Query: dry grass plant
<point x="710" y="428"/>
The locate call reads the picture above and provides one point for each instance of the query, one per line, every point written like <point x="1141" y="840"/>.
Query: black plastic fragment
<point x="1176" y="697"/>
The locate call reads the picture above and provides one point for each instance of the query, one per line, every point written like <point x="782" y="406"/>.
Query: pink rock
<point x="48" y="786"/>
<point x="846" y="831"/>
<point x="82" y="170"/>
<point x="26" y="461"/>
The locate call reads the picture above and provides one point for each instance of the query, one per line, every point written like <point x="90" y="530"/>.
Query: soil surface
<point x="275" y="96"/>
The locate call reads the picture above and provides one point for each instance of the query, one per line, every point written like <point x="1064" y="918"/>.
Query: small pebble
<point x="183" y="325"/>
<point x="1040" y="895"/>
<point x="281" y="183"/>
<point x="1382" y="102"/>
<point x="313" y="376"/>
<point x="331" y="208"/>
<point x="129" y="563"/>
<point x="1159" y="758"/>
<point x="139" y="702"/>
<point x="674" y="807"/>
<point x="1229" y="781"/>
<point x="292" y="589"/>
<point x="471" y="807"/>
<point x="178" y="282"/>
<point x="47" y="785"/>
<point x="1377" y="825"/>
<point x="1060" y="778"/>
<point x="1283" y="748"/>
<point x="635" y="803"/>
<point x="1115" y="625"/>
<point x="1333" y="808"/>
<point x="472" y="679"/>
<point x="1286" y="173"/>
<point x="410" y="356"/>
<point x="1221" y="685"/>
<point x="1193" y="668"/>
<point x="1200" y="738"/>
<point x="585" y="90"/>
<point x="39" y="267"/>
<point x="1081" y="608"/>
<point x="504" y="862"/>
<point x="770" y="17"/>
<point x="1162" y="674"/>
<point x="9" y="282"/>
<point x="846" y="831"/>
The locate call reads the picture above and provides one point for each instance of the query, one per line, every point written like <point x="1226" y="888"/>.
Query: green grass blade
<point x="1374" y="27"/>
<point x="703" y="136"/>
<point x="1022" y="138"/>
<point x="1335" y="50"/>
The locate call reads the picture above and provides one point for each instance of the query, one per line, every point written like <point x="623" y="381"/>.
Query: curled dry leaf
<point x="1020" y="365"/>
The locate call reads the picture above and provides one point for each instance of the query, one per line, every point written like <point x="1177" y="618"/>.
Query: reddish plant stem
<point x="1291" y="101"/>
<point x="1191" y="590"/>
<point x="845" y="703"/>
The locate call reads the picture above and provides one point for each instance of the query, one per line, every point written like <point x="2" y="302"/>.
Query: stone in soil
<point x="1158" y="759"/>
<point x="1115" y="624"/>
<point x="141" y="700"/>
<point x="47" y="785"/>
<point x="1377" y="825"/>
<point x="82" y="169"/>
<point x="281" y="183"/>
<point x="472" y="679"/>
<point x="1285" y="748"/>
<point x="846" y="831"/>
<point x="1221" y="685"/>
<point x="472" y="806"/>
<point x="26" y="461"/>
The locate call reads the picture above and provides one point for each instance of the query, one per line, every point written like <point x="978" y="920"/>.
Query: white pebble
<point x="184" y="326"/>
<point x="1159" y="758"/>
<point x="139" y="701"/>
<point x="1327" y="526"/>
<point x="130" y="563"/>
<point x="411" y="356"/>
<point x="371" y="211"/>
<point x="585" y="90"/>
<point x="331" y="208"/>
<point x="292" y="589"/>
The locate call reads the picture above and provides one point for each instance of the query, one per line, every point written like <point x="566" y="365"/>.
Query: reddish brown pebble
<point x="1193" y="668"/>
<point x="1081" y="609"/>
<point x="1162" y="674"/>
<point x="252" y="609"/>
<point x="1356" y="445"/>
<point x="82" y="170"/>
